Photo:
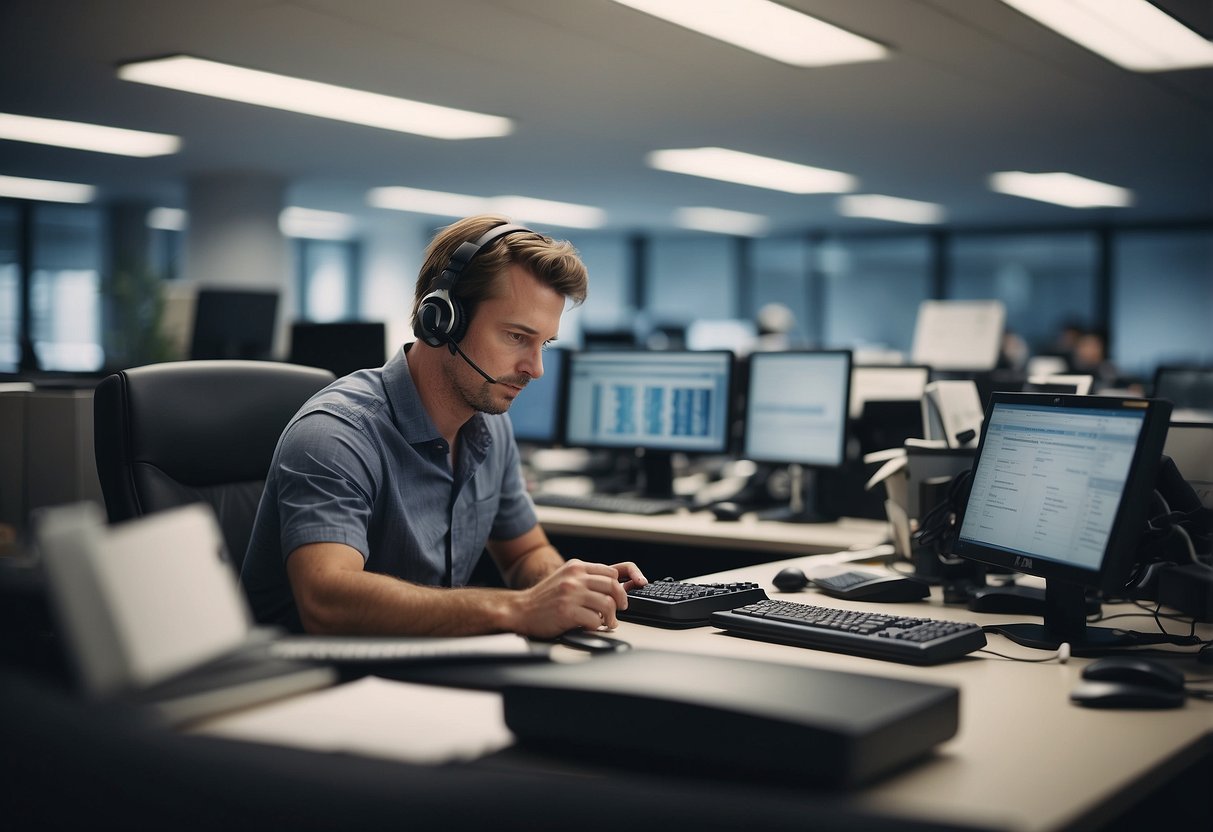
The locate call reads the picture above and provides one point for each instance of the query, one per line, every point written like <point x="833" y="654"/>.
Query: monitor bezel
<point x="762" y="355"/>
<point x="1120" y="553"/>
<point x="726" y="444"/>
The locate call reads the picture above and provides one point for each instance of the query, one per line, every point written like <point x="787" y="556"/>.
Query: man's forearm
<point x="532" y="567"/>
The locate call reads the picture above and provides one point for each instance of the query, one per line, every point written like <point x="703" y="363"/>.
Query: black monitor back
<point x="340" y="348"/>
<point x="234" y="323"/>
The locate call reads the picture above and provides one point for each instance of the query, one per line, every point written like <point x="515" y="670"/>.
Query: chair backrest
<point x="196" y="431"/>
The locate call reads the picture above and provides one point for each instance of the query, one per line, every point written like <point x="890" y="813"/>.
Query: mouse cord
<point x="1062" y="655"/>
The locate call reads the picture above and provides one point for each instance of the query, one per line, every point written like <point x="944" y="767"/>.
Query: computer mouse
<point x="727" y="510"/>
<point x="1092" y="694"/>
<point x="591" y="642"/>
<point x="790" y="579"/>
<point x="1133" y="670"/>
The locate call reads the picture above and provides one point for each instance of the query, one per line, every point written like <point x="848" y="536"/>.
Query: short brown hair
<point x="554" y="262"/>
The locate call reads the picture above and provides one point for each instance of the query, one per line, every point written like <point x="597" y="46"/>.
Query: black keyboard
<point x="873" y="635"/>
<point x="615" y="503"/>
<point x="679" y="604"/>
<point x="860" y="585"/>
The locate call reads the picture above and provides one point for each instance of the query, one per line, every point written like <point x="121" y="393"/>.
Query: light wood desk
<point x="701" y="529"/>
<point x="1024" y="759"/>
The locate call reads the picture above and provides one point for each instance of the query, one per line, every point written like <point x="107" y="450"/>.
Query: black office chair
<point x="195" y="431"/>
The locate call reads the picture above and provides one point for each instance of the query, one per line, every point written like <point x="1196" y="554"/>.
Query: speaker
<point x="441" y="318"/>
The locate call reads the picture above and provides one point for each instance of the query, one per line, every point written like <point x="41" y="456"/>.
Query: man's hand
<point x="578" y="594"/>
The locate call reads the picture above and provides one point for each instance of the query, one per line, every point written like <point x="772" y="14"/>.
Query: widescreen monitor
<point x="231" y="323"/>
<point x="537" y="412"/>
<point x="655" y="403"/>
<point x="1060" y="489"/>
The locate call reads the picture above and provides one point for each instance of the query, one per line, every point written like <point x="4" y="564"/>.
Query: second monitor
<point x="796" y="415"/>
<point x="655" y="402"/>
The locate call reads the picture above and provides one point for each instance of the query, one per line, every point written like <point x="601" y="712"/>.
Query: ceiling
<point x="973" y="87"/>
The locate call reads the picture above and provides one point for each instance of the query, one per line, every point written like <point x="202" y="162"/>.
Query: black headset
<point x="441" y="318"/>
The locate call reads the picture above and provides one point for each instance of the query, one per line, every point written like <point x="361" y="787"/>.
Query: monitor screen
<point x="1188" y="388"/>
<point x="661" y="401"/>
<point x="231" y="323"/>
<point x="1060" y="488"/>
<point x="796" y="407"/>
<point x="959" y="334"/>
<point x="536" y="412"/>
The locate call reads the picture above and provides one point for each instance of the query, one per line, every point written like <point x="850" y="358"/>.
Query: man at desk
<point x="388" y="484"/>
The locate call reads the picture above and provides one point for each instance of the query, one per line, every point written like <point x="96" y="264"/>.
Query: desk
<point x="689" y="543"/>
<point x="1024" y="759"/>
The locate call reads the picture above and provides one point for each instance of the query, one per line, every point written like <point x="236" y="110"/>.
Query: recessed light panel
<point x="282" y="92"/>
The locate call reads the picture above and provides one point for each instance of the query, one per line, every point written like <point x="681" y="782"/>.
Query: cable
<point x="1062" y="655"/>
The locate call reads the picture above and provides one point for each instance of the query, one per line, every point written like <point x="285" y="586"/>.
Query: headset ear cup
<point x="435" y="317"/>
<point x="458" y="321"/>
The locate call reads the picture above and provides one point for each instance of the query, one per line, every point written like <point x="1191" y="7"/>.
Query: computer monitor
<point x="1186" y="387"/>
<point x="1075" y="385"/>
<point x="1060" y="489"/>
<point x="959" y="334"/>
<point x="796" y="415"/>
<point x="537" y="413"/>
<point x="894" y="383"/>
<point x="655" y="402"/>
<point x="341" y="347"/>
<point x="1190" y="446"/>
<point x="231" y="323"/>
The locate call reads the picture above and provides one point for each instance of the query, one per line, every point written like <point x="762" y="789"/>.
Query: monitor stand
<point x="802" y="497"/>
<point x="656" y="474"/>
<point x="1065" y="607"/>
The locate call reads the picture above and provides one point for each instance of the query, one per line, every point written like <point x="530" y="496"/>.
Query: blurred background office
<point x="883" y="153"/>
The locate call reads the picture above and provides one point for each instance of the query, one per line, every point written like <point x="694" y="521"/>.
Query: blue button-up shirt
<point x="363" y="464"/>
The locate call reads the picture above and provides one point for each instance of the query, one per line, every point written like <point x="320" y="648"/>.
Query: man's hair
<point x="553" y="262"/>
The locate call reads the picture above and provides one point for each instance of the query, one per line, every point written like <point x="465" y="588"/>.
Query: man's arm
<point x="336" y="595"/>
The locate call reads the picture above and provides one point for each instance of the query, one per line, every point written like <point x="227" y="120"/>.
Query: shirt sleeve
<point x="328" y="475"/>
<point x="515" y="512"/>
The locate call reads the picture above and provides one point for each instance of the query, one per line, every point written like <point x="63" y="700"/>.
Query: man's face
<point x="506" y="338"/>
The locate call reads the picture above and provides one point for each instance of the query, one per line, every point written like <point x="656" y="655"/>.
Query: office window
<point x="691" y="277"/>
<point x="780" y="273"/>
<point x="1045" y="280"/>
<point x="65" y="299"/>
<point x="329" y="286"/>
<point x="1162" y="299"/>
<point x="10" y="288"/>
<point x="871" y="290"/>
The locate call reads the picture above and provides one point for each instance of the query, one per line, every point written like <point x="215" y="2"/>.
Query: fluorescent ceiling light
<point x="1062" y="189"/>
<point x="521" y="208"/>
<point x="167" y="219"/>
<point x="182" y="72"/>
<point x="767" y="28"/>
<point x="748" y="169"/>
<point x="315" y="225"/>
<point x="720" y="221"/>
<point x="82" y="136"/>
<point x="879" y="207"/>
<point x="1132" y="33"/>
<point x="45" y="190"/>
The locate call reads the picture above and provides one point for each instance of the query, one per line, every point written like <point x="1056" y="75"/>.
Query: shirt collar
<point x="411" y="419"/>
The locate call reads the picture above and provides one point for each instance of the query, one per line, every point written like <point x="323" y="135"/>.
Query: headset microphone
<point x="455" y="349"/>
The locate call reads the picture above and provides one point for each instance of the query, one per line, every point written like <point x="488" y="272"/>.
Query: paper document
<point x="377" y="717"/>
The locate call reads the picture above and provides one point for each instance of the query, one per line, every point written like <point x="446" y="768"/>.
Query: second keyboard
<point x="874" y="635"/>
<point x="681" y="604"/>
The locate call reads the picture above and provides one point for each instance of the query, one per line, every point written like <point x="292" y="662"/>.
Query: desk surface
<point x="702" y="529"/>
<point x="1025" y="758"/>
